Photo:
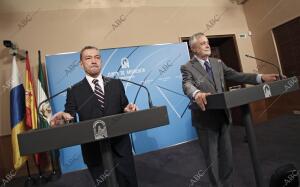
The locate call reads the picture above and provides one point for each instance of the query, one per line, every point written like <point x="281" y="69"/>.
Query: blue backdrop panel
<point x="155" y="66"/>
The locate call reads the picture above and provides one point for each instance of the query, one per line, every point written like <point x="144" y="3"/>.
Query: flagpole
<point x="29" y="181"/>
<point x="54" y="174"/>
<point x="41" y="179"/>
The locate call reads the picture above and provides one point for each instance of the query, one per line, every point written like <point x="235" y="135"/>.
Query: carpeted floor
<point x="278" y="143"/>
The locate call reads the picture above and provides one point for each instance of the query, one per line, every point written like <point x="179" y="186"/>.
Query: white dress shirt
<point x="90" y="80"/>
<point x="202" y="61"/>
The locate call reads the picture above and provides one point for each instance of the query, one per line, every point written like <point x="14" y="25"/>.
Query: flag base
<point x="41" y="180"/>
<point x="54" y="176"/>
<point x="29" y="182"/>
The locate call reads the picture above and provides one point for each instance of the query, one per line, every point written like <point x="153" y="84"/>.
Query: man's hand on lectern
<point x="60" y="118"/>
<point x="270" y="77"/>
<point x="131" y="108"/>
<point x="200" y="99"/>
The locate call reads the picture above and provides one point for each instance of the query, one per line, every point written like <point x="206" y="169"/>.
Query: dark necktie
<point x="99" y="93"/>
<point x="209" y="70"/>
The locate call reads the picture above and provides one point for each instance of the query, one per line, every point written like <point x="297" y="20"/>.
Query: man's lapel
<point x="107" y="91"/>
<point x="90" y="99"/>
<point x="216" y="69"/>
<point x="196" y="64"/>
<point x="86" y="87"/>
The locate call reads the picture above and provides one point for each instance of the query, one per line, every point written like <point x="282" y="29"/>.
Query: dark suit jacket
<point x="82" y="101"/>
<point x="195" y="77"/>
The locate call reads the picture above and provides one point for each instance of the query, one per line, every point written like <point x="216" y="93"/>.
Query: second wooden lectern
<point x="243" y="97"/>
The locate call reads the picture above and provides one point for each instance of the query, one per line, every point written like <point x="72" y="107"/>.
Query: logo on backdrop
<point x="99" y="129"/>
<point x="124" y="63"/>
<point x="267" y="91"/>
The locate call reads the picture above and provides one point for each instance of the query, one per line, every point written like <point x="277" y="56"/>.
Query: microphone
<point x="140" y="85"/>
<point x="277" y="67"/>
<point x="48" y="99"/>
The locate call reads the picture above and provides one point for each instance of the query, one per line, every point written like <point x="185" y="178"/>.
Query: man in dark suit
<point x="203" y="76"/>
<point x="93" y="97"/>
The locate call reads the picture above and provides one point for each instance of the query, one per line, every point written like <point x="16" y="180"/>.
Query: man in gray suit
<point x="203" y="76"/>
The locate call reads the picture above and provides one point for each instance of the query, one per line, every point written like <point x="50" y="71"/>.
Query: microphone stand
<point x="140" y="85"/>
<point x="279" y="72"/>
<point x="149" y="103"/>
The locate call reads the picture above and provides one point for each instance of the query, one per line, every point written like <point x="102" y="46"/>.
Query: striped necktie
<point x="99" y="93"/>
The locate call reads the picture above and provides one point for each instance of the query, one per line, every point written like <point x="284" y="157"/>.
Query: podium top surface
<point x="40" y="140"/>
<point x="247" y="95"/>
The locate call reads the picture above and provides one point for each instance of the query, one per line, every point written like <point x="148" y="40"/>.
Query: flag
<point x="30" y="101"/>
<point x="45" y="108"/>
<point x="45" y="112"/>
<point x="17" y="114"/>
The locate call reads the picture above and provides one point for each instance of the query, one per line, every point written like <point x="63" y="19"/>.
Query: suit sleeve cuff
<point x="258" y="78"/>
<point x="194" y="93"/>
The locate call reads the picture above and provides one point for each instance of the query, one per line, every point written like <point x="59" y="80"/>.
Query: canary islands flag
<point x="17" y="114"/>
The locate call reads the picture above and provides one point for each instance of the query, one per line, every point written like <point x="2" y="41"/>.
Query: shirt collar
<point x="90" y="79"/>
<point x="201" y="60"/>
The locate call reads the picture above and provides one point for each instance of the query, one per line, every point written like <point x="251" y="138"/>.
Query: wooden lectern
<point x="242" y="97"/>
<point x="41" y="140"/>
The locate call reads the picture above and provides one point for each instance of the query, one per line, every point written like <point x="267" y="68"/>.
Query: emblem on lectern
<point x="99" y="129"/>
<point x="267" y="91"/>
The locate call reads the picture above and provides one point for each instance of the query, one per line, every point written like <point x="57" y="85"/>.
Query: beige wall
<point x="262" y="17"/>
<point x="67" y="26"/>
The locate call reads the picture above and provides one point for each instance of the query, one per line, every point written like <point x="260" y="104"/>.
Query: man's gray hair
<point x="194" y="37"/>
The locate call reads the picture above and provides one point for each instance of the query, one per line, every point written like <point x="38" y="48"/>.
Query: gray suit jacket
<point x="195" y="77"/>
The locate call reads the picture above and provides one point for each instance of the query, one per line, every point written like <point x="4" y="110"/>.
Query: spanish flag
<point x="30" y="99"/>
<point x="17" y="114"/>
<point x="30" y="102"/>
